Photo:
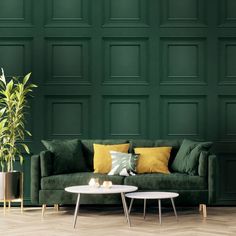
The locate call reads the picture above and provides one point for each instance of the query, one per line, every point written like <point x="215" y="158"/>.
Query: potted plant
<point x="13" y="105"/>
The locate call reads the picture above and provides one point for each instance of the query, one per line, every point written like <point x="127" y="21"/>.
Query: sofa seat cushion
<point x="173" y="181"/>
<point x="59" y="182"/>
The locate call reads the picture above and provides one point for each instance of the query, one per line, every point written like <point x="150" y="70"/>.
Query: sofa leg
<point x="202" y="207"/>
<point x="43" y="209"/>
<point x="204" y="210"/>
<point x="56" y="207"/>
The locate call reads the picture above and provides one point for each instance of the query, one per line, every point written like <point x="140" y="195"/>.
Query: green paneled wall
<point x="127" y="69"/>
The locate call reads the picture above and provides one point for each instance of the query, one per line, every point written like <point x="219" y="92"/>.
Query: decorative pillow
<point x="152" y="160"/>
<point x="102" y="156"/>
<point x="123" y="163"/>
<point x="68" y="156"/>
<point x="187" y="158"/>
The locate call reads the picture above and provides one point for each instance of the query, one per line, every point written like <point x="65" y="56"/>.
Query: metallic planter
<point x="11" y="188"/>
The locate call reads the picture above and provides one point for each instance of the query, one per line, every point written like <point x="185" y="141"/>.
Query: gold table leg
<point x="4" y="206"/>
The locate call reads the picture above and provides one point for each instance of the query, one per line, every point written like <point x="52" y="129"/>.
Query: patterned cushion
<point x="123" y="163"/>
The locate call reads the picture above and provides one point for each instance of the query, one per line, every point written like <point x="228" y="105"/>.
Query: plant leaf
<point x="2" y="77"/>
<point x="26" y="148"/>
<point x="26" y="78"/>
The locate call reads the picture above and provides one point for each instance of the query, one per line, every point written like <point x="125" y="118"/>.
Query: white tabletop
<point x="152" y="195"/>
<point x="86" y="189"/>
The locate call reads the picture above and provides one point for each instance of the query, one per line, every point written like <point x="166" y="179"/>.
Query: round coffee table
<point x="152" y="195"/>
<point x="85" y="189"/>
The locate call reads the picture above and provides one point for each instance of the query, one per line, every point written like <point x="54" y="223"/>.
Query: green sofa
<point x="48" y="189"/>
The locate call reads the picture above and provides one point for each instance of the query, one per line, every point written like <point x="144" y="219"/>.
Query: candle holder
<point x="107" y="184"/>
<point x="94" y="182"/>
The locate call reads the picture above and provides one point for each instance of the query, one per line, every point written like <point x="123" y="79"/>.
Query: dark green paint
<point x="168" y="66"/>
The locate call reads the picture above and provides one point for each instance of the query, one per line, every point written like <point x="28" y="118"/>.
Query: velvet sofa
<point x="48" y="188"/>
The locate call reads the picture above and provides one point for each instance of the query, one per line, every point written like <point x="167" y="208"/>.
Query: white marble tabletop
<point x="152" y="195"/>
<point x="86" y="189"/>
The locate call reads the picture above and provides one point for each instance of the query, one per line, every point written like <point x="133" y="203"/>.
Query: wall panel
<point x="67" y="61"/>
<point x="16" y="55"/>
<point x="125" y="60"/>
<point x="125" y="13"/>
<point x="227" y="13"/>
<point x="125" y="116"/>
<point x="60" y="13"/>
<point x="187" y="13"/>
<point x="67" y="116"/>
<point x="227" y="56"/>
<point x="15" y="13"/>
<point x="176" y="124"/>
<point x="227" y="113"/>
<point x="127" y="69"/>
<point x="183" y="61"/>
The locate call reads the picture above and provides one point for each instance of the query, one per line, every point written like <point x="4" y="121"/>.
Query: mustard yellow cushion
<point x="153" y="160"/>
<point x="102" y="157"/>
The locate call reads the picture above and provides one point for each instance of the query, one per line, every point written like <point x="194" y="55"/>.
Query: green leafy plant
<point x="13" y="105"/>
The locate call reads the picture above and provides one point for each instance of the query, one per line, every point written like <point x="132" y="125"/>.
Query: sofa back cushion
<point x="187" y="158"/>
<point x="153" y="159"/>
<point x="102" y="157"/>
<point x="67" y="156"/>
<point x="88" y="149"/>
<point x="175" y="144"/>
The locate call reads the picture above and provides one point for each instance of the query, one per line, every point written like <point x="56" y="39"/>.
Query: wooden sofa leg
<point x="56" y="207"/>
<point x="43" y="209"/>
<point x="204" y="210"/>
<point x="202" y="207"/>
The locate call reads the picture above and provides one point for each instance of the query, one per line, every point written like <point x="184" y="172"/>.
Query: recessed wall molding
<point x="125" y="60"/>
<point x="183" y="13"/>
<point x="227" y="111"/>
<point x="183" y="61"/>
<point x="183" y="116"/>
<point x="227" y="57"/>
<point x="16" y="55"/>
<point x="70" y="13"/>
<point x="67" y="116"/>
<point x="67" y="60"/>
<point x="16" y="13"/>
<point x="227" y="13"/>
<point x="125" y="13"/>
<point x="126" y="69"/>
<point x="125" y="116"/>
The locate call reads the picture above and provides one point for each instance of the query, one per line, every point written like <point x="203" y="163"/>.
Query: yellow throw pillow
<point x="102" y="157"/>
<point x="152" y="160"/>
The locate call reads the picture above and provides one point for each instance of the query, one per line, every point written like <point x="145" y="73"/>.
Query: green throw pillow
<point x="68" y="156"/>
<point x="187" y="158"/>
<point x="123" y="163"/>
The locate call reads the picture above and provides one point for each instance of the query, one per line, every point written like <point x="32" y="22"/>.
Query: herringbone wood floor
<point x="101" y="220"/>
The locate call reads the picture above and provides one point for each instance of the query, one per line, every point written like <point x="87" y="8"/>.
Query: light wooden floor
<point x="102" y="221"/>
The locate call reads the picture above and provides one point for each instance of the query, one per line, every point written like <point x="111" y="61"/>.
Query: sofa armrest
<point x="212" y="178"/>
<point x="203" y="164"/>
<point x="46" y="163"/>
<point x="35" y="178"/>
